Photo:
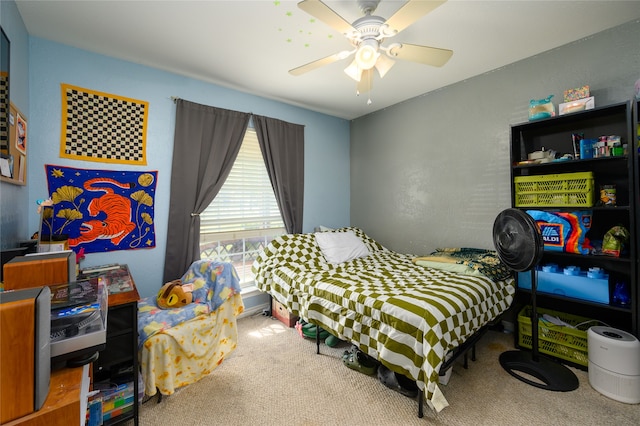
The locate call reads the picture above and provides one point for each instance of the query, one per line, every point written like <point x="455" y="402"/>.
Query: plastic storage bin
<point x="592" y="285"/>
<point x="116" y="400"/>
<point x="569" y="344"/>
<point x="559" y="190"/>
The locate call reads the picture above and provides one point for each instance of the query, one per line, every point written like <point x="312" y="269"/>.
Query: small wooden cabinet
<point x="118" y="362"/>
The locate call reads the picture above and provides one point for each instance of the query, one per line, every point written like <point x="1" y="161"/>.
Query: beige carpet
<point x="276" y="378"/>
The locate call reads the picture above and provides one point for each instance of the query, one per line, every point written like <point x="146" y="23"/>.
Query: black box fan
<point x="519" y="244"/>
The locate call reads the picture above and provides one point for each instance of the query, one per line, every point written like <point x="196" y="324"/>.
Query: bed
<point x="406" y="312"/>
<point x="178" y="347"/>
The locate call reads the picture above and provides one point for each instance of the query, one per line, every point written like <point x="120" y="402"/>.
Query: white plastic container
<point x="614" y="363"/>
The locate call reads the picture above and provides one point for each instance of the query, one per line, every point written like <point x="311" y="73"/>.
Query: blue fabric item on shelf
<point x="564" y="231"/>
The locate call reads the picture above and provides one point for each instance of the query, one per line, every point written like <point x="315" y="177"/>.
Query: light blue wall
<point x="326" y="140"/>
<point x="14" y="198"/>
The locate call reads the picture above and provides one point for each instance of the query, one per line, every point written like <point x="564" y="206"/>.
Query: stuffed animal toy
<point x="172" y="295"/>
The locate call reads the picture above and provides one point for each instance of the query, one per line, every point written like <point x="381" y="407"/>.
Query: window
<point x="244" y="217"/>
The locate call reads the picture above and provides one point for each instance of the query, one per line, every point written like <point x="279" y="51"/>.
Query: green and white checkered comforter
<point x="407" y="316"/>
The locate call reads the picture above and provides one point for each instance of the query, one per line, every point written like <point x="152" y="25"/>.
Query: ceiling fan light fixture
<point x="367" y="54"/>
<point x="354" y="71"/>
<point x="384" y="64"/>
<point x="367" y="35"/>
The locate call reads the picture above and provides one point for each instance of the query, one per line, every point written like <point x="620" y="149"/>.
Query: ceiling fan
<point x="367" y="35"/>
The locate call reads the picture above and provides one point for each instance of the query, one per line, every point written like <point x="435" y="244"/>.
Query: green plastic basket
<point x="569" y="344"/>
<point x="560" y="190"/>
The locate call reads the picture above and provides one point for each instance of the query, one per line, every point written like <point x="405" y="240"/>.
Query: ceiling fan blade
<point x="422" y="54"/>
<point x="320" y="62"/>
<point x="324" y="13"/>
<point x="410" y="12"/>
<point x="366" y="81"/>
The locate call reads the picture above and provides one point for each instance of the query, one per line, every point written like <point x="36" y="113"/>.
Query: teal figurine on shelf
<point x="541" y="108"/>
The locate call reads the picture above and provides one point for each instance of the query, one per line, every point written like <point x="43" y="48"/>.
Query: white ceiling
<point x="251" y="45"/>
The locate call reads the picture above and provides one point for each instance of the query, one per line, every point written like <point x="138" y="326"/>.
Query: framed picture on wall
<point x="6" y="165"/>
<point x="21" y="134"/>
<point x="4" y="92"/>
<point x="14" y="160"/>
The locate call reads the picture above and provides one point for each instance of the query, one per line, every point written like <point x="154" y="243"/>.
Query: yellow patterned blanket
<point x="186" y="353"/>
<point x="180" y="346"/>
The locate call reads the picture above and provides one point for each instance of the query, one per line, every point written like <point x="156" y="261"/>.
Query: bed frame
<point x="462" y="349"/>
<point x="451" y="312"/>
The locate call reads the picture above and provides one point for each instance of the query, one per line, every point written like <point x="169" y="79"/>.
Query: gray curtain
<point x="282" y="146"/>
<point x="206" y="143"/>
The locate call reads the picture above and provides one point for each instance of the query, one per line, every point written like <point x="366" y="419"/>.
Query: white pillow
<point x="339" y="247"/>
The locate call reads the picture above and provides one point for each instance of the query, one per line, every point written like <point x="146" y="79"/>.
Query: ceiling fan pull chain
<point x="370" y="77"/>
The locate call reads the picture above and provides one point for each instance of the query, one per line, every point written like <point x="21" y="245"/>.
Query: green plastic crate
<point x="559" y="190"/>
<point x="569" y="344"/>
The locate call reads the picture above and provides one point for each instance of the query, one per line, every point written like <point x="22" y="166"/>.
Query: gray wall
<point x="434" y="171"/>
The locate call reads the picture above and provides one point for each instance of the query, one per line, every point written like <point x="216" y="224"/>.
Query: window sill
<point x="249" y="291"/>
<point x="255" y="301"/>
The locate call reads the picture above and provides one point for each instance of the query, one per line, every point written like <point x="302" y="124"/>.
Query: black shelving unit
<point x="622" y="171"/>
<point x="117" y="364"/>
<point x="635" y="154"/>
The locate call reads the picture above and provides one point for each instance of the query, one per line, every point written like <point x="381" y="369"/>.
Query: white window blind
<point x="246" y="201"/>
<point x="244" y="217"/>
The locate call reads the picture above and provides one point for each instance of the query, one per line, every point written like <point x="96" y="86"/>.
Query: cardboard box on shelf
<point x="577" y="105"/>
<point x="577" y="93"/>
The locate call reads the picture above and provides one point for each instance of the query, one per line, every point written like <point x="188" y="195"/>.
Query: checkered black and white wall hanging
<point x="4" y="111"/>
<point x="102" y="127"/>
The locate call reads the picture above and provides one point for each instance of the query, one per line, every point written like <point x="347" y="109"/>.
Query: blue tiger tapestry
<point x="100" y="210"/>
